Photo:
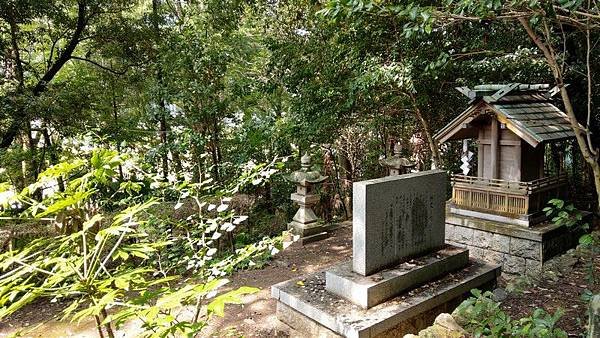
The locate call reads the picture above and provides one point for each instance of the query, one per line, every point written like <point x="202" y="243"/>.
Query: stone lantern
<point x="396" y="164"/>
<point x="305" y="223"/>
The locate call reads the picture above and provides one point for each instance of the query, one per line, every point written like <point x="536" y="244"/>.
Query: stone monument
<point x="305" y="223"/>
<point x="396" y="164"/>
<point x="401" y="275"/>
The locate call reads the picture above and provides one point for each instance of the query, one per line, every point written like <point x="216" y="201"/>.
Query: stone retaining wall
<point x="516" y="255"/>
<point x="518" y="249"/>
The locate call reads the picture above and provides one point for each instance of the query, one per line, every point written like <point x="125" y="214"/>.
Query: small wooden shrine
<point x="511" y="124"/>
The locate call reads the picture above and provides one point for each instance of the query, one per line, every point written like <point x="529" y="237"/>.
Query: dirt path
<point x="256" y="318"/>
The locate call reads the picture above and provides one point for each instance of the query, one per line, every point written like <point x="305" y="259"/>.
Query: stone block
<point x="500" y="243"/>
<point x="310" y="234"/>
<point x="456" y="244"/>
<point x="449" y="232"/>
<point x="482" y="239"/>
<point x="493" y="257"/>
<point x="533" y="266"/>
<point x="368" y="291"/>
<point x="513" y="264"/>
<point x="525" y="248"/>
<point x="314" y="238"/>
<point x="463" y="235"/>
<point x="305" y="199"/>
<point x="476" y="252"/>
<point x="396" y="217"/>
<point x="303" y="324"/>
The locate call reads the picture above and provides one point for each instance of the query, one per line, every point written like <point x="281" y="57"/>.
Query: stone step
<point x="309" y="308"/>
<point x="368" y="291"/>
<point x="313" y="238"/>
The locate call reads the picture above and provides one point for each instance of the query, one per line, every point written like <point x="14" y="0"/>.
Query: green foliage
<point x="483" y="317"/>
<point x="83" y="180"/>
<point x="564" y="214"/>
<point x="111" y="265"/>
<point x="98" y="267"/>
<point x="205" y="224"/>
<point x="569" y="216"/>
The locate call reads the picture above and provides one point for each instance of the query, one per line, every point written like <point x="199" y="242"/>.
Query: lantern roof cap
<point x="306" y="174"/>
<point x="396" y="161"/>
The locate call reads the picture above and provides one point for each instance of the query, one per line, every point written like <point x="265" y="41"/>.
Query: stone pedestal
<point x="517" y="248"/>
<point x="526" y="221"/>
<point x="368" y="291"/>
<point x="305" y="223"/>
<point x="313" y="311"/>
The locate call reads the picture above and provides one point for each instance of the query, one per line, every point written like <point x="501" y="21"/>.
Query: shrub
<point x="483" y="317"/>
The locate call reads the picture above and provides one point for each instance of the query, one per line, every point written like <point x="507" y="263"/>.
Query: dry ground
<point x="257" y="317"/>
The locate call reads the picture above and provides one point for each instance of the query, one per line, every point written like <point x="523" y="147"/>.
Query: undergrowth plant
<point x="568" y="215"/>
<point x="565" y="214"/>
<point x="107" y="262"/>
<point x="483" y="317"/>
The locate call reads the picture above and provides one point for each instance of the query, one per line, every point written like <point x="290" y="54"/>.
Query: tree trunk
<point x="435" y="154"/>
<point x="197" y="162"/>
<point x="99" y="326"/>
<point x="16" y="56"/>
<point x="215" y="150"/>
<point x="53" y="156"/>
<point x="588" y="151"/>
<point x="164" y="140"/>
<point x="177" y="163"/>
<point x="16" y="53"/>
<point x="32" y="145"/>
<point x="116" y="120"/>
<point x="107" y="326"/>
<point x="163" y="127"/>
<point x="336" y="181"/>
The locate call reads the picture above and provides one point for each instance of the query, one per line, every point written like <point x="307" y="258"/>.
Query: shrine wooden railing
<point x="509" y="198"/>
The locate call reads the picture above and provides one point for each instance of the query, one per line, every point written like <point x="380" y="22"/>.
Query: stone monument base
<point x="308" y="234"/>
<point x="368" y="291"/>
<point x="305" y="305"/>
<point x="517" y="248"/>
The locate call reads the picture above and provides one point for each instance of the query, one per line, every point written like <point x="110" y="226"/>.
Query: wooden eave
<point x="523" y="134"/>
<point x="456" y="125"/>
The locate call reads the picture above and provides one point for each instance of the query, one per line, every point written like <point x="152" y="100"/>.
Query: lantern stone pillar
<point x="305" y="223"/>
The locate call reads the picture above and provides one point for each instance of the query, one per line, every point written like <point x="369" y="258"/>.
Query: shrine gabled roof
<point x="526" y="110"/>
<point x="542" y="121"/>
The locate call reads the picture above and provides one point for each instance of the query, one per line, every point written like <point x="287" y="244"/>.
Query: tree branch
<point x="108" y="69"/>
<point x="82" y="20"/>
<point x="588" y="45"/>
<point x="580" y="13"/>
